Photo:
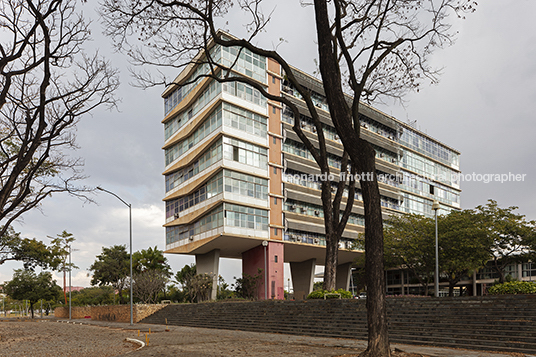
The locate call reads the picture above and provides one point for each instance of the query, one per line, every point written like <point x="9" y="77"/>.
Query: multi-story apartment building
<point x="237" y="183"/>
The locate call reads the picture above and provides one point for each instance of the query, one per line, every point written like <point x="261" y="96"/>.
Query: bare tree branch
<point x="368" y="50"/>
<point x="48" y="83"/>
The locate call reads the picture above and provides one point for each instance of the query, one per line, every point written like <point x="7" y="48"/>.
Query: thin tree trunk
<point x="378" y="336"/>
<point x="362" y="155"/>
<point x="332" y="258"/>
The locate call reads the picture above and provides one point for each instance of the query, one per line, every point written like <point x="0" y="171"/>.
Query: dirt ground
<point x="94" y="338"/>
<point x="46" y="338"/>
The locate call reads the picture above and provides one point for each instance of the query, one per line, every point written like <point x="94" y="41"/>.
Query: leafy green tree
<point x="112" y="267"/>
<point x="27" y="285"/>
<point x="464" y="245"/>
<point x="98" y="295"/>
<point x="174" y="293"/>
<point x="30" y="252"/>
<point x="223" y="290"/>
<point x="184" y="278"/>
<point x="512" y="235"/>
<point x="60" y="248"/>
<point x="150" y="259"/>
<point x="409" y="242"/>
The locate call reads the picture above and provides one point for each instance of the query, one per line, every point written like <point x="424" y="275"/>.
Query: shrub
<point x="247" y="286"/>
<point x="513" y="287"/>
<point x="319" y="294"/>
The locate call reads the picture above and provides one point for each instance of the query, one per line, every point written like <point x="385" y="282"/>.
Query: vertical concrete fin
<point x="209" y="263"/>
<point x="343" y="276"/>
<point x="302" y="277"/>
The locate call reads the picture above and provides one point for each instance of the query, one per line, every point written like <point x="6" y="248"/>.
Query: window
<point x="275" y="140"/>
<point x="275" y="231"/>
<point x="275" y="170"/>
<point x="248" y="63"/>
<point x="246" y="217"/>
<point x="245" y="185"/>
<point x="172" y="126"/>
<point x="244" y="120"/>
<point x="209" y="190"/>
<point x="236" y="156"/>
<point x="245" y="91"/>
<point x="212" y="123"/>
<point x="212" y="220"/>
<point x="275" y="256"/>
<point x="245" y="153"/>
<point x="210" y="157"/>
<point x="273" y="109"/>
<point x="273" y="79"/>
<point x="275" y="200"/>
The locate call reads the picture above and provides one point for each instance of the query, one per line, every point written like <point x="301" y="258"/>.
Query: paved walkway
<point x="190" y="341"/>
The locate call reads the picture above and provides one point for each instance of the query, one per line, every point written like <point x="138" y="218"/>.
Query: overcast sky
<point x="483" y="107"/>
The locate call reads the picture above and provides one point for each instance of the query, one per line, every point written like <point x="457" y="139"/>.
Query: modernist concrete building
<point x="235" y="183"/>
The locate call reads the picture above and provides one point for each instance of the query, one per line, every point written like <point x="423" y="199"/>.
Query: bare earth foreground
<point x="96" y="338"/>
<point x="48" y="338"/>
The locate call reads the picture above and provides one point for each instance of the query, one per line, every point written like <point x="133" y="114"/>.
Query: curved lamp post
<point x="130" y="224"/>
<point x="435" y="207"/>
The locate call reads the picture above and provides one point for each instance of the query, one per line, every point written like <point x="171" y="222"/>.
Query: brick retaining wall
<point x="116" y="313"/>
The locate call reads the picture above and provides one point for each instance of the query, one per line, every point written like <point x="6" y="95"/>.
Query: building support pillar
<point x="343" y="276"/>
<point x="269" y="259"/>
<point x="303" y="274"/>
<point x="208" y="263"/>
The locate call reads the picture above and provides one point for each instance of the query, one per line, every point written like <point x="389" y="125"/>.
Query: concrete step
<point x="502" y="324"/>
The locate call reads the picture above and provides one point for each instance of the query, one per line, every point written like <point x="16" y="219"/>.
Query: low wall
<point x="76" y="312"/>
<point x="116" y="313"/>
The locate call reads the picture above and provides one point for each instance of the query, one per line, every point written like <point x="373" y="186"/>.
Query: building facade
<point x="403" y="282"/>
<point x="238" y="179"/>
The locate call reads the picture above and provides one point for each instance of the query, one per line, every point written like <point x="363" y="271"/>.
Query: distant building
<point x="403" y="282"/>
<point x="235" y="174"/>
<point x="74" y="288"/>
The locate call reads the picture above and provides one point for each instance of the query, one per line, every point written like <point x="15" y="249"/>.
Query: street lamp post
<point x="435" y="207"/>
<point x="70" y="318"/>
<point x="265" y="244"/>
<point x="130" y="227"/>
<point x="70" y="286"/>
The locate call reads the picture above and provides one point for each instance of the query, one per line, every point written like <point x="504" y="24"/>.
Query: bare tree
<point x="147" y="285"/>
<point x="368" y="50"/>
<point x="47" y="83"/>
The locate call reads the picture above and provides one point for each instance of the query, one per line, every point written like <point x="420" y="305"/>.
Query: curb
<point x="133" y="340"/>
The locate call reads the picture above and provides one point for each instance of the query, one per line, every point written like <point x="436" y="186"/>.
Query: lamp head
<point x="435" y="205"/>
